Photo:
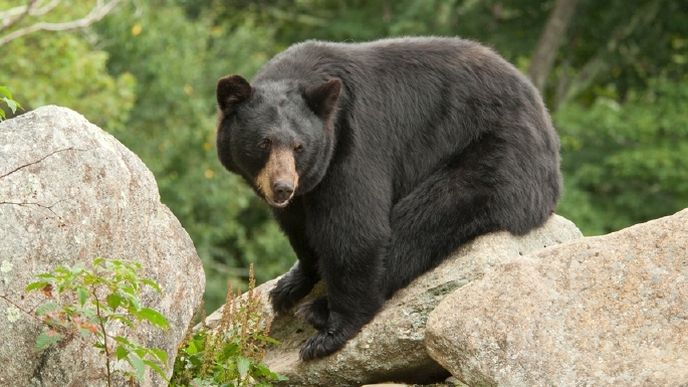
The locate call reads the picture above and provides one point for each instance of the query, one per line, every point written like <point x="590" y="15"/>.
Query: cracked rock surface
<point x="610" y="310"/>
<point x="391" y="347"/>
<point x="69" y="192"/>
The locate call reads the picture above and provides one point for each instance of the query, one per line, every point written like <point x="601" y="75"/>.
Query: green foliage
<point x="6" y="98"/>
<point x="64" y="69"/>
<point x="231" y="354"/>
<point x="85" y="301"/>
<point x="626" y="162"/>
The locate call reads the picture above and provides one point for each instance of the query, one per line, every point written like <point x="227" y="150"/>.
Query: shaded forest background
<point x="613" y="74"/>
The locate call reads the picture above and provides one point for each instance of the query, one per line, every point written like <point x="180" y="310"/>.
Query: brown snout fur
<point x="280" y="166"/>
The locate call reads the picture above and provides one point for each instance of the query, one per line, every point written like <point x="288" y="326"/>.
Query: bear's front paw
<point x="315" y="312"/>
<point x="289" y="290"/>
<point x="322" y="344"/>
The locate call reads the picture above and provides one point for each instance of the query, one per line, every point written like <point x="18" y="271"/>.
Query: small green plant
<point x="6" y="97"/>
<point x="231" y="354"/>
<point x="86" y="301"/>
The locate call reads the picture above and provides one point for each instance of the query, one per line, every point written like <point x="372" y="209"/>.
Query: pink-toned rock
<point x="70" y="192"/>
<point x="600" y="311"/>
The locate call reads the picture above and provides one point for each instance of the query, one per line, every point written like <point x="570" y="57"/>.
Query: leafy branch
<point x="86" y="301"/>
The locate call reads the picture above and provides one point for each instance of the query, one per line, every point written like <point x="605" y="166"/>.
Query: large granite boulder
<point x="391" y="347"/>
<point x="70" y="192"/>
<point x="610" y="310"/>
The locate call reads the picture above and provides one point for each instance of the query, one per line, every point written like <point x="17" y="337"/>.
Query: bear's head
<point x="278" y="135"/>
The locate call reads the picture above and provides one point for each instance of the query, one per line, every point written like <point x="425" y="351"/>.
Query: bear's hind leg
<point x="450" y="207"/>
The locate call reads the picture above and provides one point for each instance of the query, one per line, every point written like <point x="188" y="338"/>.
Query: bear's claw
<point x="322" y="344"/>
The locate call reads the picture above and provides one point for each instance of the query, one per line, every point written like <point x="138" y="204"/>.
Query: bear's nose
<point x="282" y="190"/>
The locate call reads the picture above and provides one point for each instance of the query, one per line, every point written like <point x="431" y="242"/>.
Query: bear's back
<point x="410" y="104"/>
<point x="410" y="80"/>
<point x="396" y="57"/>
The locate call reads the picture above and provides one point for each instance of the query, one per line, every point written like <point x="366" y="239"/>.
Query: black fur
<point x="315" y="312"/>
<point x="411" y="147"/>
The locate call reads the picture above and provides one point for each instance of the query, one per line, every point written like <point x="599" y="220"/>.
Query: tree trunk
<point x="550" y="40"/>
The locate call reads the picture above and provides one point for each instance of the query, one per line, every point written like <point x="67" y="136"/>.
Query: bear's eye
<point x="265" y="144"/>
<point x="298" y="148"/>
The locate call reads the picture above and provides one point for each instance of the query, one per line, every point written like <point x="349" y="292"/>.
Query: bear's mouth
<point x="277" y="204"/>
<point x="278" y="195"/>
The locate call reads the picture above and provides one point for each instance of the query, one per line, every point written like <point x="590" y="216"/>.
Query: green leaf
<point x="121" y="352"/>
<point x="83" y="295"/>
<point x="122" y="340"/>
<point x="154" y="317"/>
<point x="47" y="338"/>
<point x="46" y="308"/>
<point x="123" y="318"/>
<point x="114" y="300"/>
<point x="190" y="348"/>
<point x="268" y="340"/>
<point x="138" y="365"/>
<point x="262" y="371"/>
<point x="140" y="350"/>
<point x="12" y="104"/>
<point x="229" y="350"/>
<point x="196" y="361"/>
<point x="129" y="290"/>
<point x="155" y="366"/>
<point x="5" y="91"/>
<point x="243" y="364"/>
<point x="36" y="285"/>
<point x="152" y="284"/>
<point x="62" y="270"/>
<point x="160" y="354"/>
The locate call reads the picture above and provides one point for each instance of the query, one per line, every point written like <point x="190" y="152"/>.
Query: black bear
<point x="381" y="158"/>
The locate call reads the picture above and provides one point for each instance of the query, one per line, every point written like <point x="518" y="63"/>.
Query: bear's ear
<point x="232" y="90"/>
<point x="322" y="99"/>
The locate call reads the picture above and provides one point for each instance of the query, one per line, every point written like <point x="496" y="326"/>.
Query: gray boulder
<point x="610" y="310"/>
<point x="391" y="347"/>
<point x="70" y="192"/>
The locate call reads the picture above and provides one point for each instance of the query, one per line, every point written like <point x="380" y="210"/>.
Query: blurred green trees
<point x="617" y="90"/>
<point x="61" y="67"/>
